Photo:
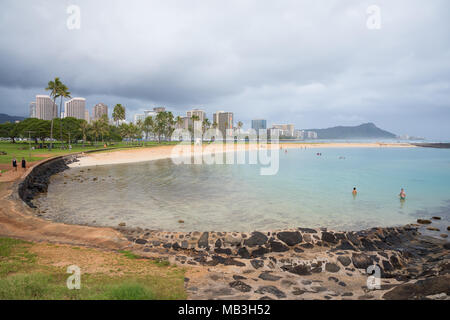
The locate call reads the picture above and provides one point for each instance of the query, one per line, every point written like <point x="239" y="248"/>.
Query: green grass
<point x="23" y="278"/>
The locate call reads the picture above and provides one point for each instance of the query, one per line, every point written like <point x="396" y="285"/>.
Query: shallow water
<point x="308" y="191"/>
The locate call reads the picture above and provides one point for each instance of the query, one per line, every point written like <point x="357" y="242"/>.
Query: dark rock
<point x="240" y="286"/>
<point x="395" y="262"/>
<point x="361" y="260"/>
<point x="387" y="266"/>
<point x="218" y="243"/>
<point x="259" y="252"/>
<point x="420" y="289"/>
<point x="232" y="262"/>
<point x="226" y="251"/>
<point x="333" y="279"/>
<point x="290" y="238"/>
<point x="345" y="261"/>
<point x="328" y="237"/>
<point x="141" y="241"/>
<point x="298" y="292"/>
<point x="176" y="246"/>
<point x="353" y="238"/>
<point x="347" y="294"/>
<point x="272" y="290"/>
<point x="301" y="269"/>
<point x="203" y="241"/>
<point x="368" y="245"/>
<point x="243" y="253"/>
<point x="332" y="267"/>
<point x="237" y="277"/>
<point x="342" y="284"/>
<point x="307" y="245"/>
<point x="345" y="245"/>
<point x="269" y="276"/>
<point x="257" y="263"/>
<point x="307" y="230"/>
<point x="256" y="239"/>
<point x="447" y="245"/>
<point x="423" y="221"/>
<point x="436" y="218"/>
<point x="277" y="246"/>
<point x="298" y="250"/>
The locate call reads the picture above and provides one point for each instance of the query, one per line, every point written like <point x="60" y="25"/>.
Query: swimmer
<point x="354" y="192"/>
<point x="402" y="194"/>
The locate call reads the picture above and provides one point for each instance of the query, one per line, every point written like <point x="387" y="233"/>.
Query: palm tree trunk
<point x="60" y="122"/>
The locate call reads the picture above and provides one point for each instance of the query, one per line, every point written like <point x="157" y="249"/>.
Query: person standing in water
<point x="354" y="192"/>
<point x="402" y="194"/>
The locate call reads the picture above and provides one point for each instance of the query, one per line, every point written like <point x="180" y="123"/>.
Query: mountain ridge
<point x="362" y="131"/>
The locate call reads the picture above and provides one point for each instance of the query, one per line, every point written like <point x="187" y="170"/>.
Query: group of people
<point x="402" y="194"/>
<point x="14" y="163"/>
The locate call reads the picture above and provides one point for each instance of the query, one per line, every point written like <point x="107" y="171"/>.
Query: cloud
<point x="314" y="64"/>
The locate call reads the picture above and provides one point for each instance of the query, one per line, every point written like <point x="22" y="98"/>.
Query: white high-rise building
<point x="196" y="112"/>
<point x="33" y="109"/>
<point x="76" y="108"/>
<point x="87" y="117"/>
<point x="223" y="120"/>
<point x="46" y="109"/>
<point x="100" y="109"/>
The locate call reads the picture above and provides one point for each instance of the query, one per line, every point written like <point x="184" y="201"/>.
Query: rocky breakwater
<point x="305" y="263"/>
<point x="38" y="179"/>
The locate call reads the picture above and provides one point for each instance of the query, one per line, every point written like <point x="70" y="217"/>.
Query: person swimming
<point x="402" y="194"/>
<point x="354" y="192"/>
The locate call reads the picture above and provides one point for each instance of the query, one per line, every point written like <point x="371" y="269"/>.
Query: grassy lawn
<point x="21" y="149"/>
<point x="34" y="271"/>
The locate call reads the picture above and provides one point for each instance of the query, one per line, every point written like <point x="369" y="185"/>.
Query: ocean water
<point x="308" y="191"/>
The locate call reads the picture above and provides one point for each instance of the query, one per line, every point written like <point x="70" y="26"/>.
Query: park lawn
<point x="35" y="271"/>
<point x="22" y="149"/>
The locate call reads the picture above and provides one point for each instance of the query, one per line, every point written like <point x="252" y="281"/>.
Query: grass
<point x="22" y="149"/>
<point x="31" y="271"/>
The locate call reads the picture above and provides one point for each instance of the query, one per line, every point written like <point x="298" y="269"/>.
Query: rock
<point x="301" y="269"/>
<point x="443" y="235"/>
<point x="277" y="246"/>
<point x="423" y="221"/>
<point x="122" y="224"/>
<point x="307" y="230"/>
<point x="298" y="292"/>
<point x="272" y="290"/>
<point x="448" y="228"/>
<point x="257" y="263"/>
<point x="342" y="284"/>
<point x="333" y="279"/>
<point x="345" y="261"/>
<point x="420" y="289"/>
<point x="328" y="237"/>
<point x="203" y="241"/>
<point x="218" y="243"/>
<point x="361" y="260"/>
<point x="243" y="253"/>
<point x="141" y="241"/>
<point x="447" y="245"/>
<point x="240" y="286"/>
<point x="238" y="277"/>
<point x="387" y="266"/>
<point x="367" y="245"/>
<point x="307" y="245"/>
<point x="345" y="245"/>
<point x="268" y="276"/>
<point x="332" y="267"/>
<point x="353" y="238"/>
<point x="395" y="262"/>
<point x="433" y="229"/>
<point x="233" y="241"/>
<point x="226" y="251"/>
<point x="259" y="252"/>
<point x="436" y="218"/>
<point x="290" y="238"/>
<point x="180" y="221"/>
<point x="347" y="294"/>
<point x="256" y="239"/>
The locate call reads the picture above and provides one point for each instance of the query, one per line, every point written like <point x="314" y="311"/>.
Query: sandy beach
<point x="164" y="152"/>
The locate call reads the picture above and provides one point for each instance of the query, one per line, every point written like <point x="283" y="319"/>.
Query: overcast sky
<point x="311" y="63"/>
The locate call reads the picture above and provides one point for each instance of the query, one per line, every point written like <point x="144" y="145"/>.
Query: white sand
<point x="165" y="152"/>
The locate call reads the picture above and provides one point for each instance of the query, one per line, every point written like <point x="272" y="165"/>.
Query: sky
<point x="314" y="64"/>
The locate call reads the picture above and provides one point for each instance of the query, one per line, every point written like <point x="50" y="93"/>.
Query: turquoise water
<point x="308" y="191"/>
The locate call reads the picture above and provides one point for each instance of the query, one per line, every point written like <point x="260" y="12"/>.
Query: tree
<point x="205" y="125"/>
<point x="10" y="130"/>
<point x="55" y="88"/>
<point x="63" y="92"/>
<point x="148" y="126"/>
<point x="84" y="126"/>
<point x="118" y="113"/>
<point x="179" y="121"/>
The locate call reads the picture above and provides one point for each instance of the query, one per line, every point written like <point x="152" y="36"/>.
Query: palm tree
<point x="96" y="129"/>
<point x="118" y="113"/>
<point x="55" y="88"/>
<point x="205" y="125"/>
<point x="179" y="121"/>
<point x="63" y="92"/>
<point x="84" y="126"/>
<point x="148" y="126"/>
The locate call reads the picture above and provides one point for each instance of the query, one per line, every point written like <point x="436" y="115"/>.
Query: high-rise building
<point x="76" y="108"/>
<point x="285" y="129"/>
<point x="100" y="109"/>
<point x="46" y="109"/>
<point x="139" y="117"/>
<point x="259" y="124"/>
<point x="159" y="109"/>
<point x="87" y="116"/>
<point x="196" y="112"/>
<point x="33" y="109"/>
<point x="224" y="121"/>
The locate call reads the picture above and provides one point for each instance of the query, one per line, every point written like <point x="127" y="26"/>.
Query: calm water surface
<point x="308" y="191"/>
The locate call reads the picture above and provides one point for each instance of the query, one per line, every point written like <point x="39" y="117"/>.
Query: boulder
<point x="290" y="238"/>
<point x="256" y="239"/>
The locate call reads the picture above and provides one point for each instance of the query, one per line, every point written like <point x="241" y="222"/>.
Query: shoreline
<point x="165" y="152"/>
<point x="301" y="263"/>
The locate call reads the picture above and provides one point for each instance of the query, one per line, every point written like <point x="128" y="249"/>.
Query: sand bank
<point x="164" y="152"/>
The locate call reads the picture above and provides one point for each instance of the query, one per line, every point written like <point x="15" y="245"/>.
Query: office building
<point x="100" y="109"/>
<point x="196" y="112"/>
<point x="286" y="130"/>
<point x="46" y="109"/>
<point x="33" y="109"/>
<point x="223" y="120"/>
<point x="259" y="124"/>
<point x="75" y="108"/>
<point x="87" y="116"/>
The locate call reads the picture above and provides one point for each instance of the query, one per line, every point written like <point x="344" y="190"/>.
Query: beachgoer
<point x="14" y="164"/>
<point x="24" y="163"/>
<point x="402" y="194"/>
<point x="354" y="192"/>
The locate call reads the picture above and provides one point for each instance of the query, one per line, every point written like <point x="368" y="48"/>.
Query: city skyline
<point x="316" y="66"/>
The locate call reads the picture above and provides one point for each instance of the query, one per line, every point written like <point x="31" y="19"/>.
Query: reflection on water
<point x="308" y="191"/>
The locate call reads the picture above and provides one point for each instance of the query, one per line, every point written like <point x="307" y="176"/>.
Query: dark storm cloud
<point x="311" y="63"/>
